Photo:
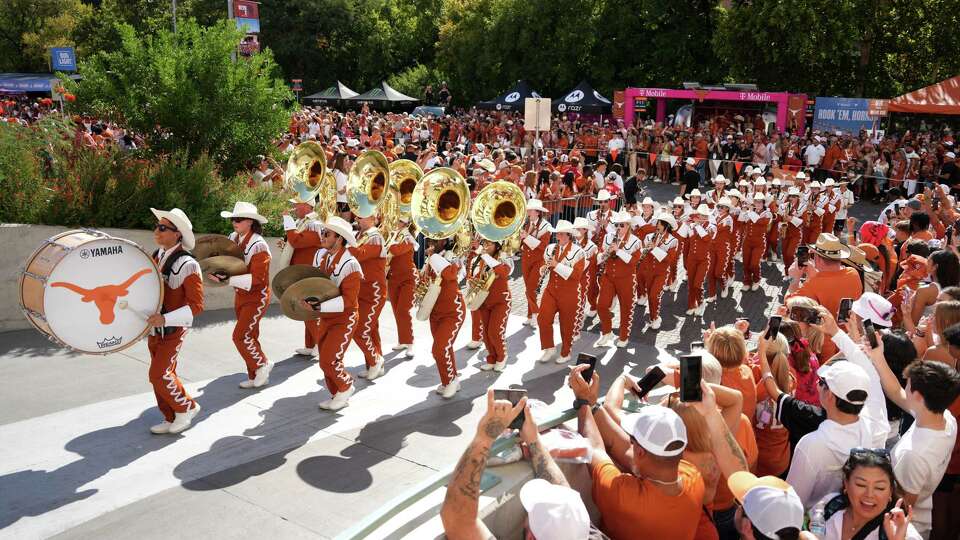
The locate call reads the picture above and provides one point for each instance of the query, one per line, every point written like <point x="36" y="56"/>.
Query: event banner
<point x="847" y="115"/>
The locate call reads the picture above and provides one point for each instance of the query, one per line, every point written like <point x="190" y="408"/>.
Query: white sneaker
<point x="533" y="322"/>
<point x="655" y="324"/>
<point x="374" y="371"/>
<point x="247" y="384"/>
<point x="339" y="400"/>
<point x="605" y="340"/>
<point x="181" y="421"/>
<point x="486" y="366"/>
<point x="700" y="309"/>
<point x="440" y="389"/>
<point x="590" y="313"/>
<point x="563" y="359"/>
<point x="402" y="347"/>
<point x="641" y="300"/>
<point x="303" y="351"/>
<point x="474" y="345"/>
<point x="621" y="343"/>
<point x="160" y="429"/>
<point x="263" y="375"/>
<point x="529" y="321"/>
<point x="500" y="366"/>
<point x="711" y="299"/>
<point x="547" y="354"/>
<point x="451" y="389"/>
<point x="691" y="311"/>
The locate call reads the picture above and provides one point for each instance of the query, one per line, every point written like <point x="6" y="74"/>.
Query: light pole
<point x="174" y="3"/>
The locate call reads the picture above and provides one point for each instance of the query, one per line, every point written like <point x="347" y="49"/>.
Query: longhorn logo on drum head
<point x="105" y="296"/>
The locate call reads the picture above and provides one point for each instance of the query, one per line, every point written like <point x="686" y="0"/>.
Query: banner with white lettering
<point x="846" y="115"/>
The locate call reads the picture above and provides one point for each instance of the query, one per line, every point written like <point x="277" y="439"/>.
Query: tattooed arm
<point x="540" y="459"/>
<point x="726" y="449"/>
<point x="460" y="506"/>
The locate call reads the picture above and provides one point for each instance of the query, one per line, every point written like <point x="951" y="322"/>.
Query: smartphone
<point x="803" y="255"/>
<point x="690" y="375"/>
<point x="648" y="381"/>
<point x="843" y="314"/>
<point x="948" y="235"/>
<point x="513" y="396"/>
<point x="773" y="327"/>
<point x="871" y="332"/>
<point x="590" y="360"/>
<point x="805" y="315"/>
<point x="696" y="345"/>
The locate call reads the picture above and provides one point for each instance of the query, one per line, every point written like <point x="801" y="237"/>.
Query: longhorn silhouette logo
<point x="105" y="296"/>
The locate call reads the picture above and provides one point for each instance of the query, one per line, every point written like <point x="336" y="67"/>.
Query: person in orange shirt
<point x="755" y="222"/>
<point x="831" y="159"/>
<point x="619" y="258"/>
<point x="773" y="439"/>
<point x="401" y="281"/>
<point x="338" y="315"/>
<point x="534" y="238"/>
<point x="252" y="291"/>
<point x="182" y="301"/>
<point x="495" y="309"/>
<point x="303" y="236"/>
<point x="564" y="267"/>
<point x="446" y="318"/>
<point x="816" y="208"/>
<point x="730" y="349"/>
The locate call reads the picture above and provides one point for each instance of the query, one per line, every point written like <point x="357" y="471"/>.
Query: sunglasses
<point x="237" y="219"/>
<point x="164" y="228"/>
<point x="861" y="451"/>
<point x="621" y="225"/>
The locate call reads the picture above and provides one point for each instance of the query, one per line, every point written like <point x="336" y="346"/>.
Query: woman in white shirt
<point x="340" y="169"/>
<point x="868" y="508"/>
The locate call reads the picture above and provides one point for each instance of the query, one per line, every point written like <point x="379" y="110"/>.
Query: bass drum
<point x="91" y="292"/>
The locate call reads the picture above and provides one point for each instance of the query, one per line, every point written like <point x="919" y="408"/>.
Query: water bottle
<point x="818" y="525"/>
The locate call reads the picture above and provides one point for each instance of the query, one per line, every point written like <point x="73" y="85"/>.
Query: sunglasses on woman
<point x="237" y="219"/>
<point x="164" y="228"/>
<point x="861" y="451"/>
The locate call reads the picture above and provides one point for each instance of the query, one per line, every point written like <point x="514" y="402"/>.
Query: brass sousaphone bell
<point x="440" y="204"/>
<point x="367" y="183"/>
<point x="309" y="178"/>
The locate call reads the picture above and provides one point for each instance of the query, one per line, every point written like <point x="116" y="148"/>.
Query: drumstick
<point x="122" y="304"/>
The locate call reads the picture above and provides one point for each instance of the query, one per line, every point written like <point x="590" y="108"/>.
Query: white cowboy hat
<point x="743" y="183"/>
<point x="793" y="192"/>
<point x="603" y="195"/>
<point x="736" y="194"/>
<point x="760" y="182"/>
<point x="668" y="219"/>
<point x="563" y="226"/>
<point x="694" y="193"/>
<point x="776" y="182"/>
<point x="755" y="171"/>
<point x="181" y="222"/>
<point x="725" y="201"/>
<point x="340" y="226"/>
<point x="703" y="210"/>
<point x="486" y="165"/>
<point x="759" y="197"/>
<point x="815" y="185"/>
<point x="582" y="223"/>
<point x="829" y="183"/>
<point x="648" y="201"/>
<point x="535" y="204"/>
<point x="720" y="179"/>
<point x="749" y="169"/>
<point x="244" y="210"/>
<point x="620" y="217"/>
<point x="801" y="176"/>
<point x="677" y="201"/>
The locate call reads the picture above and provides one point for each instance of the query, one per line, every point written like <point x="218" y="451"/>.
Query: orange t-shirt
<point x="741" y="378"/>
<point x="630" y="506"/>
<point x="773" y="440"/>
<point x="723" y="499"/>
<point x="828" y="288"/>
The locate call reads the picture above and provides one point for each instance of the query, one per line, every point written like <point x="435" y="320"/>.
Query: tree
<point x="29" y="27"/>
<point x="185" y="92"/>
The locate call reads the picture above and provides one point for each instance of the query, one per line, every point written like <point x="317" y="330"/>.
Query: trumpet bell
<point x="498" y="211"/>
<point x="367" y="183"/>
<point x="440" y="204"/>
<point x="404" y="175"/>
<point x="306" y="171"/>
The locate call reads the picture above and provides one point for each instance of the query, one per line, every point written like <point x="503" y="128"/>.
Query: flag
<point x="673" y="160"/>
<point x="652" y="157"/>
<point x="715" y="163"/>
<point x="738" y="165"/>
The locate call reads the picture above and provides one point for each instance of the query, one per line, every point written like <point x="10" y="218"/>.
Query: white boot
<point x="655" y="324"/>
<point x="474" y="345"/>
<point x="700" y="309"/>
<point x="262" y="376"/>
<point x="182" y="420"/>
<point x="533" y="322"/>
<point x="563" y="359"/>
<point x="547" y="354"/>
<point x="339" y="400"/>
<point x="440" y="388"/>
<point x="303" y="351"/>
<point x="641" y="300"/>
<point x="486" y="366"/>
<point x="402" y="347"/>
<point x="590" y="313"/>
<point x="605" y="340"/>
<point x="451" y="389"/>
<point x="691" y="311"/>
<point x="621" y="343"/>
<point x="374" y="371"/>
<point x="500" y="366"/>
<point x="161" y="428"/>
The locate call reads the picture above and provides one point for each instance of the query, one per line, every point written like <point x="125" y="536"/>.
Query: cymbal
<point x="292" y="274"/>
<point x="213" y="245"/>
<point x="320" y="287"/>
<point x="231" y="266"/>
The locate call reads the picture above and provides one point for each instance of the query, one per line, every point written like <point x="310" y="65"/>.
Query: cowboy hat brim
<point x="244" y="215"/>
<point x="185" y="228"/>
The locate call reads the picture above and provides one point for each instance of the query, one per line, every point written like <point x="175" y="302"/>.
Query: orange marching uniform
<point x="618" y="279"/>
<point x="446" y="318"/>
<point x="304" y="237"/>
<point x="401" y="281"/>
<point x="373" y="292"/>
<point x="251" y="298"/>
<point x="531" y="256"/>
<point x="476" y="323"/>
<point x="493" y="313"/>
<point x="338" y="316"/>
<point x="816" y="204"/>
<point x="658" y="250"/>
<point x="561" y="295"/>
<point x="182" y="301"/>
<point x="831" y="205"/>
<point x="642" y="226"/>
<point x="754" y="240"/>
<point x="600" y="226"/>
<point x="698" y="235"/>
<point x="773" y="231"/>
<point x="721" y="251"/>
<point x="794" y="213"/>
<point x="588" y="279"/>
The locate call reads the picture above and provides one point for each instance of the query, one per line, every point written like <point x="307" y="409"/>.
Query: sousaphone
<point x="367" y="183"/>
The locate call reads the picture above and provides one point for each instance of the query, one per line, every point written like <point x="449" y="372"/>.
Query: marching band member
<point x="252" y="291"/>
<point x="303" y="235"/>
<point x="755" y="222"/>
<point x="695" y="198"/>
<point x="621" y="252"/>
<point x="644" y="224"/>
<point x="794" y="214"/>
<point x="182" y="301"/>
<point x="698" y="235"/>
<point x="564" y="272"/>
<point x="495" y="310"/>
<point x="446" y="317"/>
<point x="775" y="200"/>
<point x="679" y="213"/>
<point x="476" y="323"/>
<point x="588" y="281"/>
<point x="338" y="315"/>
<point x="534" y="238"/>
<point x="831" y="205"/>
<point x="600" y="218"/>
<point x="401" y="281"/>
<point x="655" y="256"/>
<point x="721" y="250"/>
<point x="373" y="287"/>
<point x="816" y="204"/>
<point x="737" y="245"/>
<point x="718" y="192"/>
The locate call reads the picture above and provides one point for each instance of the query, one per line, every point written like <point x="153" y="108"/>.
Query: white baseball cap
<point x="846" y="380"/>
<point x="656" y="428"/>
<point x="875" y="308"/>
<point x="691" y="161"/>
<point x="951" y="155"/>
<point x="768" y="502"/>
<point x="555" y="512"/>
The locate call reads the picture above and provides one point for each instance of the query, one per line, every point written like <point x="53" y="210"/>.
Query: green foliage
<point x="412" y="81"/>
<point x="29" y="27"/>
<point x="21" y="176"/>
<point x="185" y="93"/>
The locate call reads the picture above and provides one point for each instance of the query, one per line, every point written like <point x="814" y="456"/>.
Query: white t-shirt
<point x="258" y="177"/>
<point x="616" y="143"/>
<point x="919" y="460"/>
<point x="847" y="201"/>
<point x="835" y="527"/>
<point x="814" y="153"/>
<point x="341" y="184"/>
